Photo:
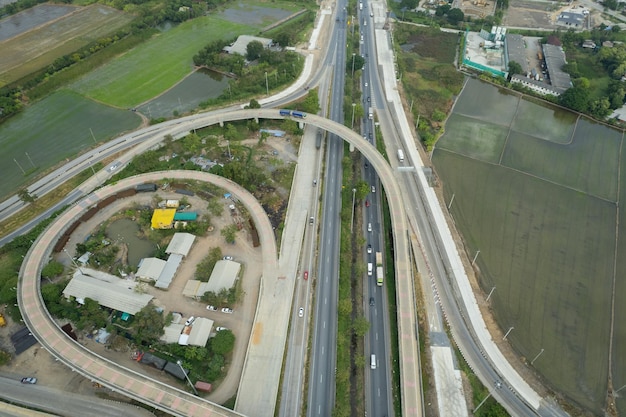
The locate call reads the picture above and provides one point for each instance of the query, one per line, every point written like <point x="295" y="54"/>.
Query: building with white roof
<point x="108" y="290"/>
<point x="240" y="46"/>
<point x="200" y="332"/>
<point x="180" y="244"/>
<point x="150" y="269"/>
<point x="169" y="271"/>
<point x="224" y="275"/>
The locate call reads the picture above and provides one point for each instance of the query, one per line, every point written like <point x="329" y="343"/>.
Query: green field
<point x="156" y="65"/>
<point x="53" y="129"/>
<point x="544" y="122"/>
<point x="545" y="222"/>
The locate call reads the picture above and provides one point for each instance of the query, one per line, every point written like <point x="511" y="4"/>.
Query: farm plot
<point x="474" y="138"/>
<point x="258" y="13"/>
<point x="53" y="129"/>
<point x="491" y="105"/>
<point x="589" y="164"/>
<point x="34" y="49"/>
<point x="156" y="65"/>
<point x="549" y="251"/>
<point x="618" y="365"/>
<point x="31" y="18"/>
<point x="545" y="122"/>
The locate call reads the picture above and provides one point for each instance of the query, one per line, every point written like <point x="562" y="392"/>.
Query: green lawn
<point x="156" y="65"/>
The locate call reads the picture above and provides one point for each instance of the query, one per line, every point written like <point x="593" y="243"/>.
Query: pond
<point x="124" y="231"/>
<point x="186" y="95"/>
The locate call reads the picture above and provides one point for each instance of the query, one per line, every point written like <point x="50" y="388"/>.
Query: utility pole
<point x="507" y="333"/>
<point x="490" y="292"/>
<point x="19" y="166"/>
<point x="267" y="85"/>
<point x="353" y="54"/>
<point x="539" y="354"/>
<point x="475" y="256"/>
<point x="352" y="218"/>
<point x="451" y="200"/>
<point x="353" y="106"/>
<point x="31" y="161"/>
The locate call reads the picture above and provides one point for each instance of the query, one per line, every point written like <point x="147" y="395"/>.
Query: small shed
<point x="186" y="216"/>
<point x="163" y="218"/>
<point x="203" y="386"/>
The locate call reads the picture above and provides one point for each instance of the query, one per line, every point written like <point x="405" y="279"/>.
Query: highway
<point x="321" y="396"/>
<point x="378" y="383"/>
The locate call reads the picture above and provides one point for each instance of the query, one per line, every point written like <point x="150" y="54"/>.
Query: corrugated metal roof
<point x="118" y="295"/>
<point x="200" y="331"/>
<point x="223" y="275"/>
<point x="150" y="268"/>
<point x="172" y="332"/>
<point x="169" y="271"/>
<point x="180" y="243"/>
<point x="186" y="216"/>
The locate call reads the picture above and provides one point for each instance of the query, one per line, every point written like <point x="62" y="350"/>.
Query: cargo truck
<point x="380" y="274"/>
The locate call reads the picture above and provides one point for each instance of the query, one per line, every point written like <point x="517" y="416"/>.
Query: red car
<point x="367" y="203"/>
<point x="306" y="275"/>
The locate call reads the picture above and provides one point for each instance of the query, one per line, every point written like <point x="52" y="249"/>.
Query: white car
<point x="301" y="312"/>
<point x="211" y="308"/>
<point x="369" y="248"/>
<point x="228" y="258"/>
<point x="219" y="329"/>
<point x="227" y="310"/>
<point x="190" y="320"/>
<point x="369" y="227"/>
<point x="373" y="189"/>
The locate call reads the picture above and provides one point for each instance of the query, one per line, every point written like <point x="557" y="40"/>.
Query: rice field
<point x="546" y="221"/>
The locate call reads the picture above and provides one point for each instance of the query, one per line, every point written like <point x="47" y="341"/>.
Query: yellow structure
<point x="163" y="218"/>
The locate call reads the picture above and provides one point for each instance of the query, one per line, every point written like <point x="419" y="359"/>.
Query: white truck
<point x="400" y="155"/>
<point x="360" y="5"/>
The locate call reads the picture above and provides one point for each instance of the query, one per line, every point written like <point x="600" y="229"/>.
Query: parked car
<point x="306" y="275"/>
<point x="228" y="258"/>
<point x="29" y="380"/>
<point x="189" y="321"/>
<point x="219" y="329"/>
<point x="369" y="248"/>
<point x="301" y="312"/>
<point x="227" y="310"/>
<point x="212" y="308"/>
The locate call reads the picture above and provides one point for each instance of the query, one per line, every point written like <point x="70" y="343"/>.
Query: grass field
<point x="34" y="49"/>
<point x="156" y="65"/>
<point x="545" y="222"/>
<point x="53" y="129"/>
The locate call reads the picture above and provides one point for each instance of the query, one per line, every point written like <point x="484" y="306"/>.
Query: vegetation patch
<point x="429" y="78"/>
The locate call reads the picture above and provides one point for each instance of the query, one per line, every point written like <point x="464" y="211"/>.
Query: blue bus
<point x="298" y="114"/>
<point x="285" y="112"/>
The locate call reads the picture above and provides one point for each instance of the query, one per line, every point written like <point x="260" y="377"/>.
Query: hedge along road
<point x="178" y="402"/>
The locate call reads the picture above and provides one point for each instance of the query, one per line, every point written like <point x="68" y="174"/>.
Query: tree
<point x="148" y="325"/>
<point x="515" y="68"/>
<point x="575" y="98"/>
<point x="5" y="357"/>
<point x="283" y="39"/>
<point x="311" y="103"/>
<point x="442" y="10"/>
<point x="361" y="326"/>
<point x="254" y="104"/>
<point x="52" y="270"/>
<point x="362" y="190"/>
<point x="253" y="50"/>
<point x="359" y="62"/>
<point x="26" y="196"/>
<point x="229" y="233"/>
<point x="455" y="16"/>
<point x="223" y="342"/>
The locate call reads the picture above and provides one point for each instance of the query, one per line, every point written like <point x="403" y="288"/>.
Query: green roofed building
<point x="186" y="216"/>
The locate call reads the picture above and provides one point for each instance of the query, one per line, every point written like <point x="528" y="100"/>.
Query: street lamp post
<point x="73" y="261"/>
<point x="352" y="218"/>
<point x="228" y="146"/>
<point x="353" y="106"/>
<point x="353" y="55"/>
<point x="180" y="364"/>
<point x="267" y="86"/>
<point x="507" y="333"/>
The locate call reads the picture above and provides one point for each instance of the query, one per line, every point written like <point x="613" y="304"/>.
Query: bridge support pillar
<point x="256" y="119"/>
<point x="221" y="124"/>
<point x="301" y="125"/>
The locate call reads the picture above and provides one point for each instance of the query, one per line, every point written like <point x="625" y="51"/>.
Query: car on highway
<point x="373" y="189"/>
<point x="369" y="248"/>
<point x="314" y="183"/>
<point x="211" y="308"/>
<point x="29" y="380"/>
<point x="367" y="203"/>
<point x="369" y="227"/>
<point x="366" y="85"/>
<point x="219" y="329"/>
<point x="228" y="258"/>
<point x="306" y="275"/>
<point x="311" y="220"/>
<point x="372" y="301"/>
<point x="227" y="310"/>
<point x="301" y="312"/>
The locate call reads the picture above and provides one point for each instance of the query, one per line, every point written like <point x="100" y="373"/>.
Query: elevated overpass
<point x="175" y="401"/>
